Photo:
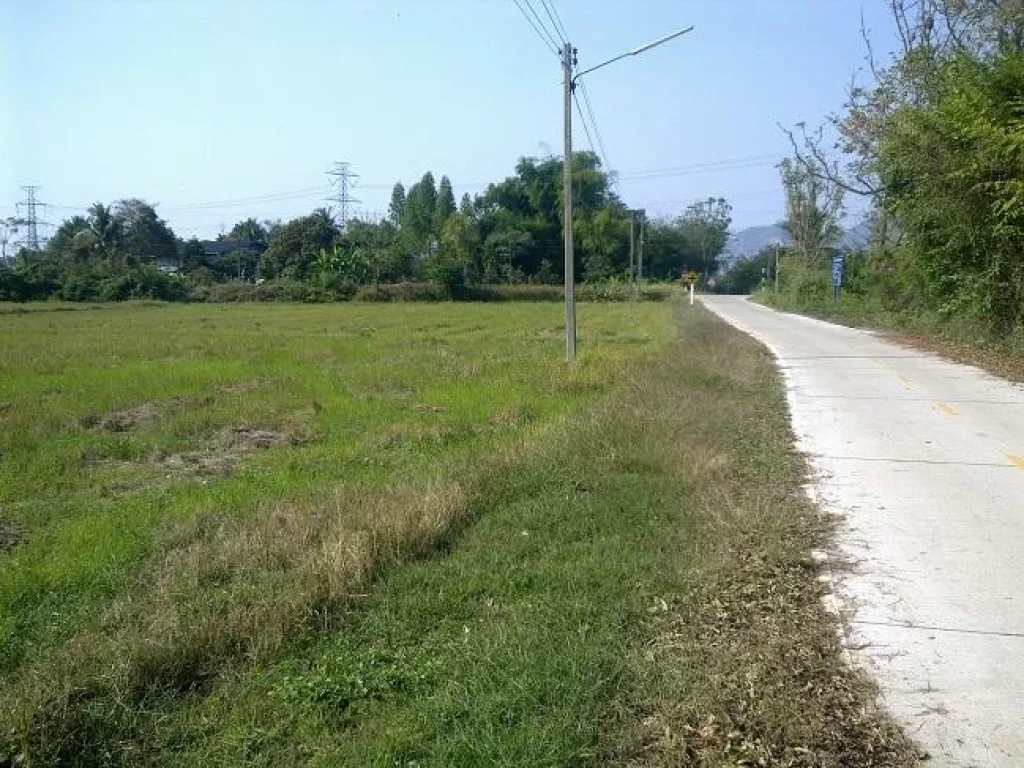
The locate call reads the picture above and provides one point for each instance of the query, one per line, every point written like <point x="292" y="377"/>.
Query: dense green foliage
<point x="937" y="144"/>
<point x="748" y="274"/>
<point x="511" y="233"/>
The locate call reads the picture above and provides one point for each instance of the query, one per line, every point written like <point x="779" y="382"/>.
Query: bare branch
<point x="819" y="166"/>
<point x="867" y="44"/>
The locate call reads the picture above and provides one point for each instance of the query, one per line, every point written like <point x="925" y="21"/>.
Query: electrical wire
<point x="541" y="24"/>
<point x="696" y="171"/>
<point x="583" y="120"/>
<point x="557" y="20"/>
<point x="546" y="40"/>
<point x="597" y="131"/>
<point x="296" y="194"/>
<point x="725" y="164"/>
<point x="560" y="32"/>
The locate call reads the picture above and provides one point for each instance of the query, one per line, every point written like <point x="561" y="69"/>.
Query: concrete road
<point x="923" y="459"/>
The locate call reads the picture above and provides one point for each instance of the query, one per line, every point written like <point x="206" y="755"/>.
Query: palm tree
<point x="106" y="229"/>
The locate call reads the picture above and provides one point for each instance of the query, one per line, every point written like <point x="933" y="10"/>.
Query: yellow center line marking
<point x="949" y="410"/>
<point x="907" y="383"/>
<point x="1017" y="461"/>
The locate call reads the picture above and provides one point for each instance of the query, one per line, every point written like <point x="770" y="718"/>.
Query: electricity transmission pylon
<point x="31" y="218"/>
<point x="343" y="179"/>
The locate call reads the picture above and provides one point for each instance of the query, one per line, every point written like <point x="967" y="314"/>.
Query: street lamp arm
<point x="634" y="52"/>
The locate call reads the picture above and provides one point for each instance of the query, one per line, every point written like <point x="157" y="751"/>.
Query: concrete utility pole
<point x="632" y="271"/>
<point x="568" y="60"/>
<point x="640" y="251"/>
<point x="568" y="56"/>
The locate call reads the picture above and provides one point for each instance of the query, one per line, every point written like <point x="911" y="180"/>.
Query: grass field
<point x="409" y="535"/>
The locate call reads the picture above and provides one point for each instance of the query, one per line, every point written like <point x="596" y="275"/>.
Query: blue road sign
<point x="838" y="264"/>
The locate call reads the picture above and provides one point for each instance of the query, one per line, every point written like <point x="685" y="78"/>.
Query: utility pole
<point x="640" y="251"/>
<point x="777" y="249"/>
<point x="632" y="270"/>
<point x="32" y="221"/>
<point x="568" y="60"/>
<point x="343" y="178"/>
<point x="568" y="57"/>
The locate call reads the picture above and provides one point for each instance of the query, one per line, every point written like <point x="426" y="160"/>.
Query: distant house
<point x="169" y="264"/>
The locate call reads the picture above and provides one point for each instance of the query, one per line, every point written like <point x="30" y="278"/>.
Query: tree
<point x="813" y="206"/>
<point x="107" y="229"/>
<point x="445" y="205"/>
<point x="248" y="231"/>
<point x="705" y="226"/>
<point x="68" y="239"/>
<point x="144" y="234"/>
<point x="746" y="274"/>
<point x="667" y="251"/>
<point x="460" y="239"/>
<point x="9" y="227"/>
<point x="418" y="214"/>
<point x="605" y="244"/>
<point x="954" y="171"/>
<point x="503" y="253"/>
<point x="397" y="207"/>
<point x="295" y="246"/>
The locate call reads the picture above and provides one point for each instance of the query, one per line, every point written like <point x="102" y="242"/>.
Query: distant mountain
<point x="752" y="240"/>
<point x="856" y="237"/>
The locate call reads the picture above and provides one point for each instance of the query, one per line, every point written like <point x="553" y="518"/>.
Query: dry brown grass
<point x="742" y="664"/>
<point x="226" y="594"/>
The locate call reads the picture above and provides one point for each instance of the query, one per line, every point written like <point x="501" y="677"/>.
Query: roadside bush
<point x="604" y="291"/>
<point x="522" y="292"/>
<point x="612" y="290"/>
<point x="404" y="292"/>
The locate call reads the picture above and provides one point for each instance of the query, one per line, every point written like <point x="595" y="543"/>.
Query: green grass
<point x="468" y="553"/>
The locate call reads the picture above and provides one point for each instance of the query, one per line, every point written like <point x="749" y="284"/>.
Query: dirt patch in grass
<point x="124" y="421"/>
<point x="515" y="416"/>
<point x="244" y="386"/>
<point x="428" y="408"/>
<point x="225" y="451"/>
<point x="10" y="535"/>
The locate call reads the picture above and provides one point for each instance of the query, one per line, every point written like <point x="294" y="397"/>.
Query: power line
<point x="264" y="198"/>
<point x="546" y="39"/>
<point x="583" y="121"/>
<point x="542" y="25"/>
<point x="593" y="120"/>
<point x="712" y="165"/>
<point x="557" y="20"/>
<point x="560" y="32"/>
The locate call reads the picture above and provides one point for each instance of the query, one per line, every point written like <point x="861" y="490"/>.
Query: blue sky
<point x="193" y="106"/>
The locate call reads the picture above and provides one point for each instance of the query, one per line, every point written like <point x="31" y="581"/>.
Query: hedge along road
<point x="922" y="460"/>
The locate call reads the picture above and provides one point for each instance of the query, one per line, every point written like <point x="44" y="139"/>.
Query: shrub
<point x="404" y="292"/>
<point x="12" y="286"/>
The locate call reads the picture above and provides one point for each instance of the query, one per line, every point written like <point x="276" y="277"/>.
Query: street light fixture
<point x="569" y="85"/>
